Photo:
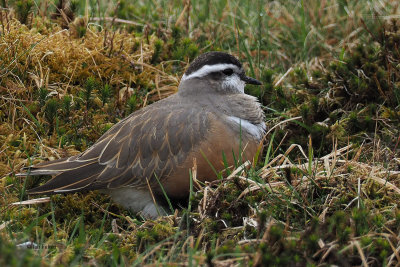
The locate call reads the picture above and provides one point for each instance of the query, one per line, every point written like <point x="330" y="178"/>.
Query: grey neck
<point x="209" y="94"/>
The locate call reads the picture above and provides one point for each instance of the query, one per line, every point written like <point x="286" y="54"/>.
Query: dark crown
<point x="212" y="58"/>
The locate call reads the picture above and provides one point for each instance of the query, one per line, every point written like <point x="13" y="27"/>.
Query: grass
<point x="325" y="190"/>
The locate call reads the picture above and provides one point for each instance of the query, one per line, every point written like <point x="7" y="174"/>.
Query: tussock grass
<point x="325" y="190"/>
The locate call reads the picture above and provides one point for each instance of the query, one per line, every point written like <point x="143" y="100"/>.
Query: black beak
<point x="250" y="80"/>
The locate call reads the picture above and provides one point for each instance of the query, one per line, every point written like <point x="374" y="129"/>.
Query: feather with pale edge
<point x="145" y="145"/>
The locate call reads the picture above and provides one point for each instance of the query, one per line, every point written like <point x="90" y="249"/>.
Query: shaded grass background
<point x="69" y="70"/>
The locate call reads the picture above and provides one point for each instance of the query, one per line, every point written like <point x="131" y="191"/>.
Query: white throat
<point x="233" y="83"/>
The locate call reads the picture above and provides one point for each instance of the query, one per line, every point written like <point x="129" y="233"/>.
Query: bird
<point x="148" y="154"/>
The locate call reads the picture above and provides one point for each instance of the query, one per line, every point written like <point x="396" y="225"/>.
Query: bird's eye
<point x="227" y="72"/>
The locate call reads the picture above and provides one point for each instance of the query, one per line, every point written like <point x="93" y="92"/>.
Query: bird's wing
<point x="146" y="145"/>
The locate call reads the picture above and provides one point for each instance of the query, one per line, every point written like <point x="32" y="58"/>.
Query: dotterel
<point x="210" y="115"/>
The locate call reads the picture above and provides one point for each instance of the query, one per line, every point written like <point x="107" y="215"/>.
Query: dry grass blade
<point x="4" y="225"/>
<point x="385" y="183"/>
<point x="32" y="201"/>
<point x="110" y="19"/>
<point x="360" y="251"/>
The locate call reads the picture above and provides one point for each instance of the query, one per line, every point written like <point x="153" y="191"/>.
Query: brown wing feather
<point x="71" y="180"/>
<point x="150" y="142"/>
<point x="158" y="143"/>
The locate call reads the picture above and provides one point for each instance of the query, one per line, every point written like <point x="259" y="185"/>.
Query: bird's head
<point x="221" y="70"/>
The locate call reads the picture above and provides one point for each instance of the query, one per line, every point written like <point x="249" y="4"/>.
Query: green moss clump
<point x="132" y="103"/>
<point x="105" y="93"/>
<point x="42" y="95"/>
<point x="50" y="112"/>
<point x="342" y="102"/>
<point x="23" y="9"/>
<point x="66" y="105"/>
<point x="87" y="91"/>
<point x="158" y="45"/>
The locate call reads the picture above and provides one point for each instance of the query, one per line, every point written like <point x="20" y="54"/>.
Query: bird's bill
<point x="250" y="80"/>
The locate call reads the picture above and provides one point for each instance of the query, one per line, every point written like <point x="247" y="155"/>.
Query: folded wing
<point x="149" y="143"/>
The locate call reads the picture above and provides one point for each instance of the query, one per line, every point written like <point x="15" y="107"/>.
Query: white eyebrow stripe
<point x="207" y="69"/>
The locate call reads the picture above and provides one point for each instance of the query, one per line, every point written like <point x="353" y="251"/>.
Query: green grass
<point x="324" y="191"/>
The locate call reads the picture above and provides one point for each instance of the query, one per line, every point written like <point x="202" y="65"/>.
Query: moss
<point x="50" y="112"/>
<point x="300" y="76"/>
<point x="158" y="45"/>
<point x="105" y="93"/>
<point x="11" y="255"/>
<point x="42" y="95"/>
<point x="186" y="50"/>
<point x="99" y="75"/>
<point x="23" y="9"/>
<point x="132" y="103"/>
<point x="86" y="93"/>
<point x="312" y="242"/>
<point x="305" y="112"/>
<point x="341" y="93"/>
<point x="66" y="105"/>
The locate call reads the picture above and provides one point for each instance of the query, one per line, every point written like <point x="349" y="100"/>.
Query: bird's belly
<point x="199" y="162"/>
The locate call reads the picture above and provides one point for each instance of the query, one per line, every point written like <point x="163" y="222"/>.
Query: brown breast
<point x="222" y="139"/>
